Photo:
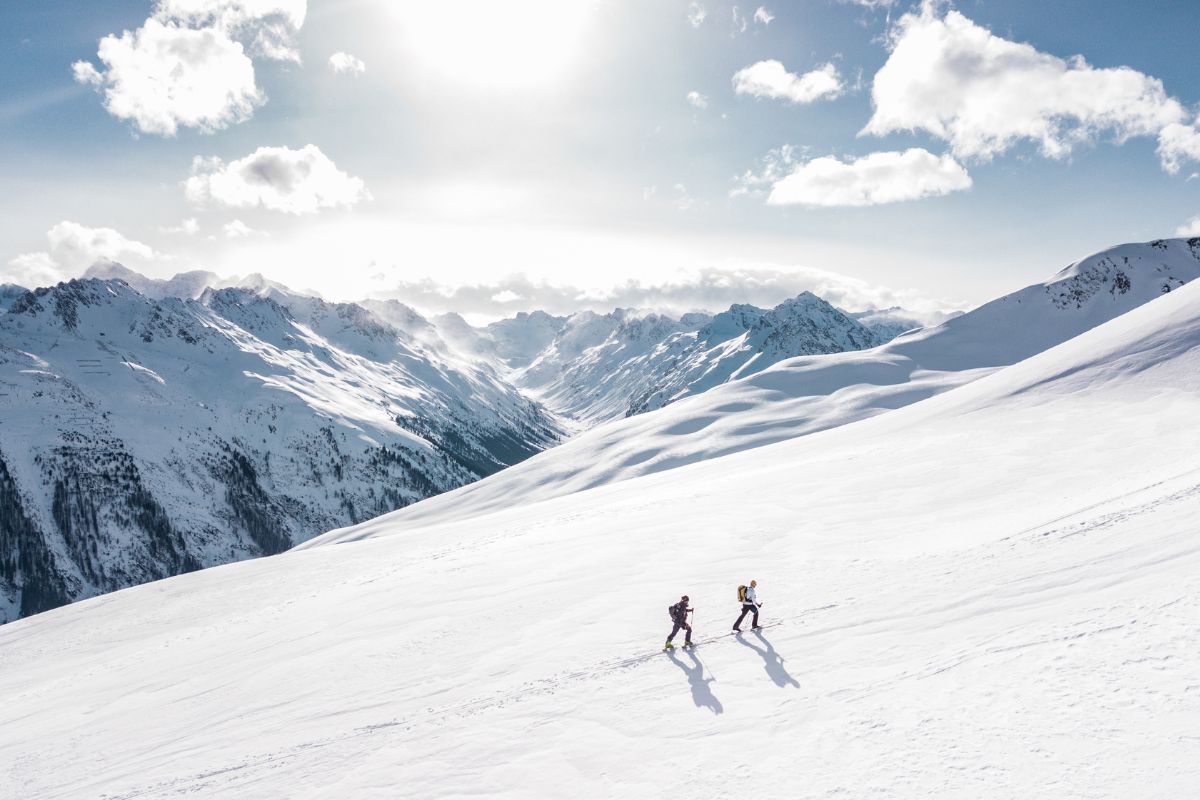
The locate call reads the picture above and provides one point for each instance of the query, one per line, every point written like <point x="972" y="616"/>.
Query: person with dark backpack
<point x="749" y="601"/>
<point x="679" y="613"/>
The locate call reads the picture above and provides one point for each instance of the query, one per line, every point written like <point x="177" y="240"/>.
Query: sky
<point x="488" y="157"/>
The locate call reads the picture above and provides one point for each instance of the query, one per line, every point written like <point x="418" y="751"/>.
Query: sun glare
<point x="495" y="43"/>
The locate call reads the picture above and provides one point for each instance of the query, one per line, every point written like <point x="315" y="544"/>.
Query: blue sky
<point x="509" y="144"/>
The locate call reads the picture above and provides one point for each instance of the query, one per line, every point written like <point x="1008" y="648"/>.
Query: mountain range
<point x="146" y="437"/>
<point x="809" y="394"/>
<point x="155" y="427"/>
<point x="592" y="368"/>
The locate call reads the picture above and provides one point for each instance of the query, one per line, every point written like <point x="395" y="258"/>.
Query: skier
<point x="679" y="613"/>
<point x="749" y="603"/>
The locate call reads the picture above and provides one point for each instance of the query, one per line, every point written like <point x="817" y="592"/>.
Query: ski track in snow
<point x="442" y="716"/>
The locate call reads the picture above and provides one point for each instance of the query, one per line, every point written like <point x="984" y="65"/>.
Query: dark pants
<point x="746" y="609"/>
<point x="684" y="626"/>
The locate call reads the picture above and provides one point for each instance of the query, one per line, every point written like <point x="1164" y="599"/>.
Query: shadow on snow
<point x="772" y="661"/>
<point x="702" y="695"/>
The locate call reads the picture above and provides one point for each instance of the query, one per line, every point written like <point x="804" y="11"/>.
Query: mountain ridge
<point x="143" y="438"/>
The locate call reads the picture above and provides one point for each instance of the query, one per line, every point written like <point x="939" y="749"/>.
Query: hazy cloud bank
<point x="702" y="290"/>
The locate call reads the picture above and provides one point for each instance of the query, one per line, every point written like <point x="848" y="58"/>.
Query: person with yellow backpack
<point x="749" y="600"/>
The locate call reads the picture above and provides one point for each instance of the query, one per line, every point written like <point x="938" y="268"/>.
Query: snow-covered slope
<point x="141" y="438"/>
<point x="991" y="593"/>
<point x="803" y="395"/>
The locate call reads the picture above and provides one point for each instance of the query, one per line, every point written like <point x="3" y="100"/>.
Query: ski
<point x="718" y="637"/>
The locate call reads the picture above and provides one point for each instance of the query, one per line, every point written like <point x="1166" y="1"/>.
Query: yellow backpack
<point x="741" y="594"/>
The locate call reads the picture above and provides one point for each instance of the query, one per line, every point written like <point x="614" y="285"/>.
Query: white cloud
<point x="34" y="270"/>
<point x="739" y="21"/>
<point x="86" y="73"/>
<point x="1178" y="143"/>
<point x="771" y="79"/>
<point x="683" y="200"/>
<point x="72" y="249"/>
<point x="875" y="179"/>
<point x="188" y="227"/>
<point x="240" y="230"/>
<point x="698" y="100"/>
<point x="233" y="13"/>
<point x="870" y="3"/>
<point x="762" y="16"/>
<point x="984" y="94"/>
<point x="300" y="181"/>
<point x="1189" y="228"/>
<point x="163" y="76"/>
<point x="190" y="63"/>
<point x="343" y="63"/>
<point x="772" y="168"/>
<point x="267" y="27"/>
<point x="696" y="15"/>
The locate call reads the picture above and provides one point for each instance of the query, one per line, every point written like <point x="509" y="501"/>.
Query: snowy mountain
<point x="144" y="437"/>
<point x="805" y="395"/>
<point x="185" y="285"/>
<point x="596" y="367"/>
<point x="593" y="367"/>
<point x="983" y="594"/>
<point x="888" y="323"/>
<point x="599" y="365"/>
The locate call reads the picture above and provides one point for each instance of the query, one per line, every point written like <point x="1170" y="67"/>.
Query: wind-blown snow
<point x="9" y="292"/>
<point x="991" y="593"/>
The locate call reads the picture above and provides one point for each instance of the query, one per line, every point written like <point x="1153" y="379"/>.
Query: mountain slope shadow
<point x="702" y="695"/>
<point x="772" y="661"/>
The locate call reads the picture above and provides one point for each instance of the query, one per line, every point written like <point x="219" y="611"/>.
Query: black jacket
<point x="679" y="612"/>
